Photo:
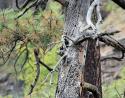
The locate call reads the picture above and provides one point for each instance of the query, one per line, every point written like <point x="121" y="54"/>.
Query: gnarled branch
<point x="112" y="42"/>
<point x="114" y="58"/>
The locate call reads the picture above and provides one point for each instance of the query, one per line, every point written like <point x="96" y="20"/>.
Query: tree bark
<point x="69" y="78"/>
<point x="93" y="67"/>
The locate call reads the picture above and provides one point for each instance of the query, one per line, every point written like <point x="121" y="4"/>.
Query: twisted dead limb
<point x="88" y="36"/>
<point x="107" y="33"/>
<point x="89" y="14"/>
<point x="103" y="37"/>
<point x="114" y="43"/>
<point x="108" y="40"/>
<point x="90" y="24"/>
<point x="114" y="58"/>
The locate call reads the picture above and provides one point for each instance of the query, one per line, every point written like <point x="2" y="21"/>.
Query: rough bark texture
<point x="69" y="78"/>
<point x="92" y="66"/>
<point x="92" y="69"/>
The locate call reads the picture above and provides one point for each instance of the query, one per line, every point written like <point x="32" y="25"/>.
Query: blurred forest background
<point x="43" y="28"/>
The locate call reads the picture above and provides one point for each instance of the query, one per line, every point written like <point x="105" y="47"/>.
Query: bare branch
<point x="24" y="5"/>
<point x="36" y="3"/>
<point x="32" y="5"/>
<point x="36" y="54"/>
<point x="114" y="58"/>
<point x="89" y="35"/>
<point x="112" y="42"/>
<point x="46" y="66"/>
<point x="109" y="33"/>
<point x="89" y="14"/>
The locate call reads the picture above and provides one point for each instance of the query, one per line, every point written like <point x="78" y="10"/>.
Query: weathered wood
<point x="69" y="78"/>
<point x="92" y="69"/>
<point x="92" y="65"/>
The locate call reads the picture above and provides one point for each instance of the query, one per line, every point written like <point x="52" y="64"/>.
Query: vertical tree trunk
<point x="92" y="66"/>
<point x="69" y="78"/>
<point x="92" y="69"/>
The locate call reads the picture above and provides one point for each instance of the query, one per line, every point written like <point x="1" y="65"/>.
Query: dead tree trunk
<point x="70" y="77"/>
<point x="92" y="66"/>
<point x="92" y="69"/>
